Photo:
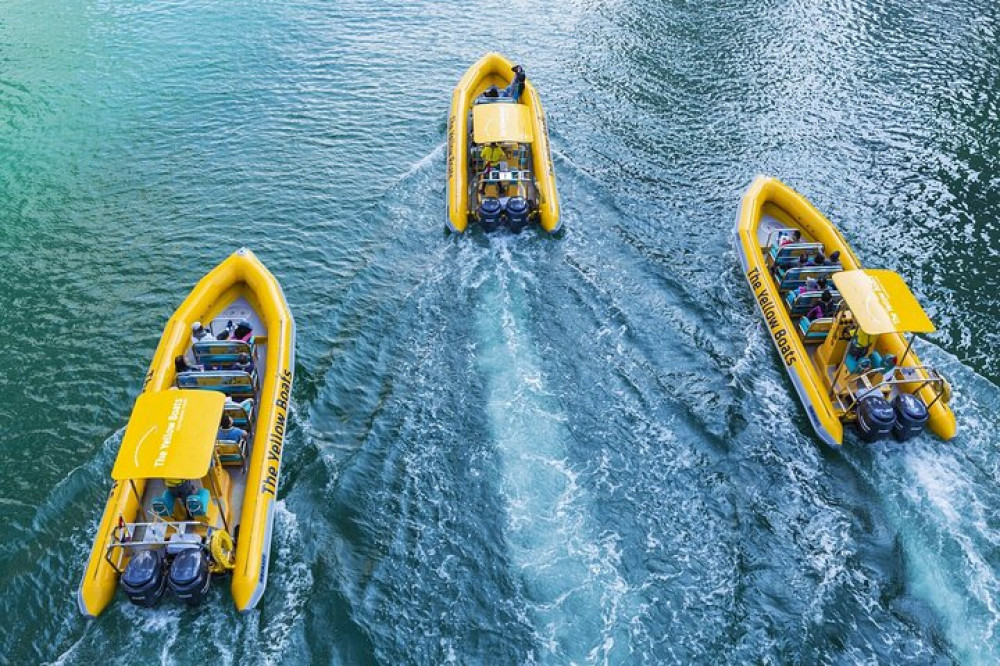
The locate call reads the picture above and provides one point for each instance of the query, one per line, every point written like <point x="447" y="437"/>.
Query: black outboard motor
<point x="490" y="211"/>
<point x="911" y="416"/>
<point x="875" y="418"/>
<point x="517" y="213"/>
<point x="145" y="578"/>
<point x="190" y="576"/>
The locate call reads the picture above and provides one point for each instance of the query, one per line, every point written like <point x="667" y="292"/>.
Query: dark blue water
<point x="506" y="449"/>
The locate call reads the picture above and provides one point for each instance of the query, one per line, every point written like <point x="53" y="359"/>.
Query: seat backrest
<point x="220" y="353"/>
<point x="817" y="329"/>
<point x="794" y="278"/>
<point x="788" y="255"/>
<point x="197" y="502"/>
<point x="807" y="300"/>
<point x="230" y="382"/>
<point x="238" y="413"/>
<point x="493" y="100"/>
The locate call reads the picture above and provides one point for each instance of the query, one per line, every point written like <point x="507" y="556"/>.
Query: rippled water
<point x="506" y="449"/>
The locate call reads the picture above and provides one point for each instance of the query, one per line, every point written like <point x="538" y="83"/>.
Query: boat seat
<point x="234" y="383"/>
<point x="240" y="412"/>
<point x="815" y="330"/>
<point x="793" y="278"/>
<point x="197" y="502"/>
<point x="788" y="255"/>
<point x="163" y="504"/>
<point x="493" y="100"/>
<point x="800" y="304"/>
<point x="231" y="452"/>
<point x="221" y="354"/>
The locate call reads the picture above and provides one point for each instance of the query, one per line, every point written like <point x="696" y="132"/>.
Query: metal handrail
<point x="889" y="379"/>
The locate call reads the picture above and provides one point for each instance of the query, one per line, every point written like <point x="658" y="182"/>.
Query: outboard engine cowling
<point x="489" y="213"/>
<point x="190" y="575"/>
<point x="145" y="578"/>
<point x="517" y="213"/>
<point x="911" y="416"/>
<point x="875" y="418"/>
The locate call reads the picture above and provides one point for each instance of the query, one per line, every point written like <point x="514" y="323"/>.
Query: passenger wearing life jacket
<point x="493" y="155"/>
<point x="180" y="488"/>
<point x="861" y="343"/>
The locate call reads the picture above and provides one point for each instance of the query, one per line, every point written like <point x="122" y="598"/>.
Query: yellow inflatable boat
<point x="841" y="330"/>
<point x="196" y="475"/>
<point x="500" y="169"/>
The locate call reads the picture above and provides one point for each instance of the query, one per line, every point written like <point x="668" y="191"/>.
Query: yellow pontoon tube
<point x="199" y="462"/>
<point x="845" y="367"/>
<point x="520" y="131"/>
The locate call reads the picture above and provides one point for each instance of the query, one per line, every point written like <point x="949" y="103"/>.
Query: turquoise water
<point x="506" y="449"/>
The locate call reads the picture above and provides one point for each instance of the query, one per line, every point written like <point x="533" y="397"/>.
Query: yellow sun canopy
<point x="881" y="302"/>
<point x="501" y="123"/>
<point x="170" y="435"/>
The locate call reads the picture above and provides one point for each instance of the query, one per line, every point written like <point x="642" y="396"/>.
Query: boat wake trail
<point x="569" y="575"/>
<point x="941" y="498"/>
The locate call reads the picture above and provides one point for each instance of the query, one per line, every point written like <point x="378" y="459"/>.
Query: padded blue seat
<point x="794" y="278"/>
<point x="240" y="412"/>
<point x="163" y="504"/>
<point x="800" y="304"/>
<point x="221" y="354"/>
<point x="233" y="383"/>
<point x="788" y="255"/>
<point x="197" y="503"/>
<point x="815" y="330"/>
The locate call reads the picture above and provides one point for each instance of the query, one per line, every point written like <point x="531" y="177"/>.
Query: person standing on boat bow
<point x="516" y="87"/>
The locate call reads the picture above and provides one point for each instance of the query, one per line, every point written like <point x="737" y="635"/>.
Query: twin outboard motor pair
<point x="904" y="418"/>
<point x="492" y="213"/>
<point x="148" y="574"/>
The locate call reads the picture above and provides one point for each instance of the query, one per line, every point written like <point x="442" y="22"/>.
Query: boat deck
<point x="766" y="227"/>
<point x="238" y="310"/>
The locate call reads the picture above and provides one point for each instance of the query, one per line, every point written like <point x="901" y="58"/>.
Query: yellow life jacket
<point x="493" y="154"/>
<point x="863" y="339"/>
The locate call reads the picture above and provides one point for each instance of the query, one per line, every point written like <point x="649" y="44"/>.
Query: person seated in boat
<point x="822" y="309"/>
<point x="246" y="405"/>
<point x="181" y="365"/>
<point x="228" y="432"/>
<point x="795" y="237"/>
<point x="492" y="155"/>
<point x="861" y="343"/>
<point x="200" y="334"/>
<point x="817" y="259"/>
<point x="181" y="489"/>
<point x="516" y="87"/>
<point x="778" y="271"/>
<point x="243" y="331"/>
<point x="834" y="258"/>
<point x="227" y="332"/>
<point x="813" y="284"/>
<point x="243" y="363"/>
